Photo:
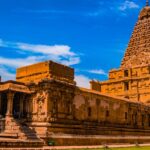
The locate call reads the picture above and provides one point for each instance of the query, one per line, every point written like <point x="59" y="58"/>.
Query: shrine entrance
<point x="14" y="102"/>
<point x="19" y="106"/>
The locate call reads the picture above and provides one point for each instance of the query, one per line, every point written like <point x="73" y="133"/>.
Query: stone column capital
<point x="10" y="94"/>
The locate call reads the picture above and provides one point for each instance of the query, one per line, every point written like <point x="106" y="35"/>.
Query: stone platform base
<point x="64" y="141"/>
<point x="70" y="140"/>
<point x="15" y="143"/>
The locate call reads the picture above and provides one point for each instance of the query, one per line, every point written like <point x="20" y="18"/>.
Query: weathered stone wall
<point x="132" y="83"/>
<point x="50" y="100"/>
<point x="60" y="108"/>
<point x="45" y="71"/>
<point x="109" y="110"/>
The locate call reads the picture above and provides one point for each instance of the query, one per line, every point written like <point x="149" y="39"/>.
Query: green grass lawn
<point x="132" y="148"/>
<point x="129" y="148"/>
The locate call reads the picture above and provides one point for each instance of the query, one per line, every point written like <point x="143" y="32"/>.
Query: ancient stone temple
<point x="132" y="79"/>
<point x="45" y="106"/>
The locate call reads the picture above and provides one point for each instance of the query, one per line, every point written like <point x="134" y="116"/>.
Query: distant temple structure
<point x="132" y="79"/>
<point x="45" y="107"/>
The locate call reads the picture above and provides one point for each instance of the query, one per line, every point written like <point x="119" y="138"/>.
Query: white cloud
<point x="18" y="62"/>
<point x="5" y="74"/>
<point x="128" y="5"/>
<point x="58" y="53"/>
<point x="32" y="53"/>
<point x="82" y="81"/>
<point x="109" y="7"/>
<point x="71" y="61"/>
<point x="100" y="72"/>
<point x="58" y="50"/>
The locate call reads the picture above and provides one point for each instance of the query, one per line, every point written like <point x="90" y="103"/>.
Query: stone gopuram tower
<point x="132" y="79"/>
<point x="138" y="51"/>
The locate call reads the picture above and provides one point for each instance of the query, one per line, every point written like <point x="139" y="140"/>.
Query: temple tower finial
<point x="147" y="2"/>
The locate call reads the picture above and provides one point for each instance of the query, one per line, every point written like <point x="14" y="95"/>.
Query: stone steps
<point x="29" y="133"/>
<point x="14" y="129"/>
<point x="9" y="135"/>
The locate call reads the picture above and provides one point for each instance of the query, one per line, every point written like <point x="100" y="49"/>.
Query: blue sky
<point x="88" y="35"/>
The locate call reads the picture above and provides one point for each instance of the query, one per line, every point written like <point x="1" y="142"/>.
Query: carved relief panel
<point x="40" y="106"/>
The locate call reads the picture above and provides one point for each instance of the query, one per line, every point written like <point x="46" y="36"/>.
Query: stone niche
<point x="45" y="71"/>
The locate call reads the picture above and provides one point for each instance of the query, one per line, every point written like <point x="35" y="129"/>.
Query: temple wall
<point x="105" y="109"/>
<point x="45" y="71"/>
<point x="72" y="110"/>
<point x="133" y="83"/>
<point x="51" y="101"/>
<point x="58" y="106"/>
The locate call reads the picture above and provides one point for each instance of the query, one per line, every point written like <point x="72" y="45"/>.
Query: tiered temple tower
<point x="132" y="79"/>
<point x="138" y="51"/>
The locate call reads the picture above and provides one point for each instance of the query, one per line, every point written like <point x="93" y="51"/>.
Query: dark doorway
<point x="126" y="86"/>
<point x="25" y="105"/>
<point x="126" y="73"/>
<point x="3" y="104"/>
<point x="16" y="106"/>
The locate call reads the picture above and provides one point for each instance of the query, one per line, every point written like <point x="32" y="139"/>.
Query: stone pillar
<point x="10" y="96"/>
